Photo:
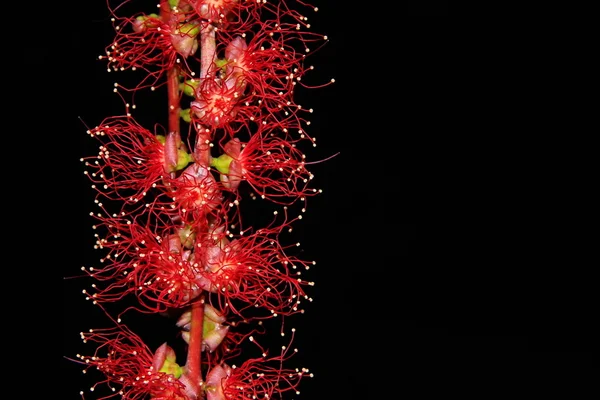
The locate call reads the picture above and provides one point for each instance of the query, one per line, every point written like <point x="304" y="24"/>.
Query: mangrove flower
<point x="195" y="192"/>
<point x="253" y="271"/>
<point x="158" y="270"/>
<point x="269" y="66"/>
<point x="152" y="44"/>
<point x="213" y="10"/>
<point x="215" y="102"/>
<point x="272" y="165"/>
<point x="130" y="368"/>
<point x="256" y="378"/>
<point x="131" y="160"/>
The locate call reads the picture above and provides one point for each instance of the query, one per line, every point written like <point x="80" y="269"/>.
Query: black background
<point x="428" y="280"/>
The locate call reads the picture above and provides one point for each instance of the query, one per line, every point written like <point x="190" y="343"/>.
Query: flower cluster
<point x="169" y="225"/>
<point x="132" y="371"/>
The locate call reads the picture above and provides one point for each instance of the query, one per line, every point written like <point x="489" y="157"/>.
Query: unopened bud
<point x="176" y="156"/>
<point x="236" y="49"/>
<point x="174" y="243"/>
<point x="228" y="164"/>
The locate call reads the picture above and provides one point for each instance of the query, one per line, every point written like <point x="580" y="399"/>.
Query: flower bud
<point x="214" y="10"/>
<point x="189" y="387"/>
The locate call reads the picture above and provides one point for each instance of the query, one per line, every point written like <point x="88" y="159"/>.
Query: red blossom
<point x="195" y="193"/>
<point x="271" y="62"/>
<point x="227" y="15"/>
<point x="152" y="44"/>
<point x="256" y="378"/>
<point x="268" y="66"/>
<point x="215" y="102"/>
<point x="253" y="380"/>
<point x="253" y="270"/>
<point x="258" y="79"/>
<point x="131" y="371"/>
<point x="215" y="10"/>
<point x="131" y="160"/>
<point x="271" y="164"/>
<point x="155" y="267"/>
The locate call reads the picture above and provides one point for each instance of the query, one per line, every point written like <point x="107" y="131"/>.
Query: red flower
<point x="195" y="193"/>
<point x="216" y="11"/>
<point x="157" y="268"/>
<point x="255" y="81"/>
<point x="256" y="378"/>
<point x="216" y="101"/>
<point x="254" y="270"/>
<point x="149" y="43"/>
<point x="131" y="370"/>
<point x="273" y="166"/>
<point x="131" y="160"/>
<point x="267" y="68"/>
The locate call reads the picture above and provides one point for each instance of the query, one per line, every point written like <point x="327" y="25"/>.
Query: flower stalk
<point x="173" y="97"/>
<point x="194" y="358"/>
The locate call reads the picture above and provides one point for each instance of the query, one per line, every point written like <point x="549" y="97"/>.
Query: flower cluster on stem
<point x="169" y="224"/>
